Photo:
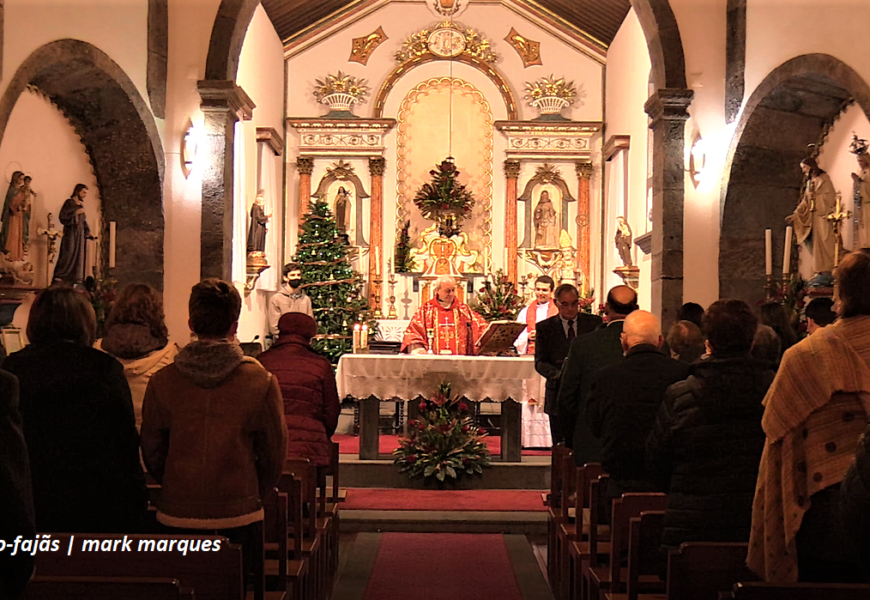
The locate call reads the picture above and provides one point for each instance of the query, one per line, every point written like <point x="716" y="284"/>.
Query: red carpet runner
<point x="349" y="444"/>
<point x="444" y="500"/>
<point x="442" y="566"/>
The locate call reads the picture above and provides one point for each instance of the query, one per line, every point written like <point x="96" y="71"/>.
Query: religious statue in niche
<point x="861" y="180"/>
<point x="567" y="266"/>
<point x="810" y="220"/>
<point x="257" y="228"/>
<point x="546" y="228"/>
<point x="14" y="235"/>
<point x="623" y="241"/>
<point x="342" y="211"/>
<point x="71" y="260"/>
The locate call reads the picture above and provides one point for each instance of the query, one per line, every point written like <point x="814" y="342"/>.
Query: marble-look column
<point x="377" y="165"/>
<point x="512" y="174"/>
<point x="305" y="166"/>
<point x="223" y="103"/>
<point x="584" y="174"/>
<point x="668" y="111"/>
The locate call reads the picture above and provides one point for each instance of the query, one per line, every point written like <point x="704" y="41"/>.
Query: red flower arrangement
<point x="498" y="301"/>
<point x="444" y="442"/>
<point x="444" y="193"/>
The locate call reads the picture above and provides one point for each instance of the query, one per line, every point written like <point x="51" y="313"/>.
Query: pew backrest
<point x="105" y="588"/>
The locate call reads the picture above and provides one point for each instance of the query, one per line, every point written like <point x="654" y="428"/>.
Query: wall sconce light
<point x="697" y="159"/>
<point x="189" y="150"/>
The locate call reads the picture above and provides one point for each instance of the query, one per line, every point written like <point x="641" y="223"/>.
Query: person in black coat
<point x="553" y="338"/>
<point x="706" y="444"/>
<point x="78" y="422"/>
<point x="588" y="355"/>
<point x="16" y="498"/>
<point x="624" y="400"/>
<point x="855" y="505"/>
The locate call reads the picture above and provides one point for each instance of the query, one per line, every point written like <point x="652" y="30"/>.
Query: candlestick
<point x="112" y="232"/>
<point x="786" y="258"/>
<point x="768" y="258"/>
<point x="391" y="313"/>
<point x="364" y="336"/>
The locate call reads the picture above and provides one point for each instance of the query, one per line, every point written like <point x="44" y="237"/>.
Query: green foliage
<point x="498" y="300"/>
<point x="102" y="294"/>
<point x="444" y="193"/>
<point x="444" y="443"/>
<point x="402" y="261"/>
<point x="335" y="289"/>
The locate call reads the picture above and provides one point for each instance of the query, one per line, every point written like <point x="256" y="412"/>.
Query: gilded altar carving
<point x="559" y="140"/>
<point x="363" y="47"/>
<point x="528" y="50"/>
<point x="446" y="40"/>
<point x="439" y="255"/>
<point x="341" y="137"/>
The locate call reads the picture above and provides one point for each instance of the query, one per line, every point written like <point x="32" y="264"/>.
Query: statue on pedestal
<point x="623" y="241"/>
<point x="70" y="266"/>
<point x="810" y="218"/>
<point x="16" y="216"/>
<point x="257" y="228"/>
<point x="546" y="231"/>
<point x="342" y="210"/>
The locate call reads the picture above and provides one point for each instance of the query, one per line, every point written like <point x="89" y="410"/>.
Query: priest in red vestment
<point x="542" y="307"/>
<point x="454" y="327"/>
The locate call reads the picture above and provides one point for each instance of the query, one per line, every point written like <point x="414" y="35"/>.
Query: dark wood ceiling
<point x="599" y="19"/>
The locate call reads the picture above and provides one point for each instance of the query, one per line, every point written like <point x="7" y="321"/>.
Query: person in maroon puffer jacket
<point x="311" y="404"/>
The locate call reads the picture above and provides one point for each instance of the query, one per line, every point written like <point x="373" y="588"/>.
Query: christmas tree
<point x="335" y="289"/>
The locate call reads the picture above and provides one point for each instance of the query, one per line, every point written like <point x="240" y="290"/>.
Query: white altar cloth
<point x="407" y="376"/>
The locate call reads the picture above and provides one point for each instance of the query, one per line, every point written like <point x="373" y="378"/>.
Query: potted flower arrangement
<point x="444" y="199"/>
<point x="498" y="300"/>
<point x="444" y="443"/>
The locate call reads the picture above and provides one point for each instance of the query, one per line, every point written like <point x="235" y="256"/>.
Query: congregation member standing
<point x="685" y="342"/>
<point x="624" y="400"/>
<point x="774" y="316"/>
<point x="290" y="298"/>
<point x="541" y="308"/>
<point x="588" y="355"/>
<point x="213" y="432"/>
<point x="136" y="335"/>
<point x="707" y="439"/>
<point x="820" y="313"/>
<point x="16" y="499"/>
<point x="691" y="312"/>
<point x="855" y="505"/>
<point x="78" y="422"/>
<point x="815" y="412"/>
<point x="311" y="404"/>
<point x="553" y="339"/>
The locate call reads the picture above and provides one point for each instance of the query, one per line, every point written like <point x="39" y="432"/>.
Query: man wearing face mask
<point x="289" y="298"/>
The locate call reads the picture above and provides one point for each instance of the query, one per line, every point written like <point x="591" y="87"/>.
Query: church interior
<point x="405" y="154"/>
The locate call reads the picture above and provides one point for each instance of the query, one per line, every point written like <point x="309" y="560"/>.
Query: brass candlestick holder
<point x="771" y="288"/>
<point x="378" y="313"/>
<point x="391" y="313"/>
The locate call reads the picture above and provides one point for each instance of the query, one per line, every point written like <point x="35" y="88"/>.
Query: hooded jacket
<point x="311" y="404"/>
<point x="140" y="354"/>
<point x="213" y="436"/>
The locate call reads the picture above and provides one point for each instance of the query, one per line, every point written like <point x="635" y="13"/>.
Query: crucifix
<point x="836" y="218"/>
<point x="52" y="235"/>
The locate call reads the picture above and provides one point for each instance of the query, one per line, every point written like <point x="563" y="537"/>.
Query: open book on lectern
<point x="499" y="337"/>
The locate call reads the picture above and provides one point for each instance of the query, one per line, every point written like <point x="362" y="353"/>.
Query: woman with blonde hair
<point x="136" y="335"/>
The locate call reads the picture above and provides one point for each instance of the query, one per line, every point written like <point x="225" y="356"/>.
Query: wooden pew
<point x="645" y="536"/>
<point x="574" y="525"/>
<point x="598" y="544"/>
<point x="798" y="591"/>
<point x="105" y="588"/>
<point x="559" y="459"/>
<point x="212" y="575"/>
<point x="611" y="576"/>
<point x="700" y="570"/>
<point x="283" y="569"/>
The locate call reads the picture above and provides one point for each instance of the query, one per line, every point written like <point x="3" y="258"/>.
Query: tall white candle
<point x="786" y="259"/>
<point x="364" y="336"/>
<point x="768" y="257"/>
<point x="377" y="263"/>
<point x="113" y="229"/>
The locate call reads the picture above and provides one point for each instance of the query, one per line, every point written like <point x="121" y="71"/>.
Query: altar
<point x="507" y="380"/>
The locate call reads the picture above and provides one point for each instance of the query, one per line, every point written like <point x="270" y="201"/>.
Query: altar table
<point x="371" y="378"/>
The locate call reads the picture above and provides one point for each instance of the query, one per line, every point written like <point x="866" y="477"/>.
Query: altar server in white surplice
<point x="541" y="308"/>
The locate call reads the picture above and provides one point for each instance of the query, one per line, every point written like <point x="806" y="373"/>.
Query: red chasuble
<point x="532" y="319"/>
<point x="453" y="327"/>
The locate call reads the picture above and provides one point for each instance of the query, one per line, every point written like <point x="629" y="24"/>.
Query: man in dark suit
<point x="588" y="355"/>
<point x="16" y="499"/>
<point x="553" y="338"/>
<point x="624" y="400"/>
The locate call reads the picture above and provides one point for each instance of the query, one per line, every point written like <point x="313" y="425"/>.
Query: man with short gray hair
<point x="452" y="327"/>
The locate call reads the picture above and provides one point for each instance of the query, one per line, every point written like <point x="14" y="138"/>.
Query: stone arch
<point x="791" y="108"/>
<point x="120" y="136"/>
<point x="663" y="41"/>
<point x="227" y="37"/>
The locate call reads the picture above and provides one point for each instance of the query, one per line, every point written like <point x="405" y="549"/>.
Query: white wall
<point x="117" y="27"/>
<point x="40" y="142"/>
<point x="627" y="76"/>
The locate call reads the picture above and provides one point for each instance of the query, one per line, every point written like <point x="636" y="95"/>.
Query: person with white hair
<point x="452" y="327"/>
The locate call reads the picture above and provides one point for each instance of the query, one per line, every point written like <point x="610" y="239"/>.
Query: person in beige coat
<point x="136" y="335"/>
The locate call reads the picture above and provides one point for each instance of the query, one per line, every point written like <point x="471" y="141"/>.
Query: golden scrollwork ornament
<point x="363" y="47"/>
<point x="529" y="50"/>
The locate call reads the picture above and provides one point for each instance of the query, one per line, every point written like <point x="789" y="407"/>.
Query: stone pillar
<point x="584" y="174"/>
<point x="668" y="111"/>
<point x="305" y="166"/>
<point x="223" y="103"/>
<point x="377" y="165"/>
<point x="512" y="173"/>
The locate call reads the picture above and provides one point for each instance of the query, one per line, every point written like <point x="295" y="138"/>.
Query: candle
<point x="364" y="340"/>
<point x="376" y="263"/>
<point x="390" y="266"/>
<point x="505" y="259"/>
<point x="786" y="259"/>
<point x="768" y="258"/>
<point x="112" y="231"/>
<point x="356" y="336"/>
